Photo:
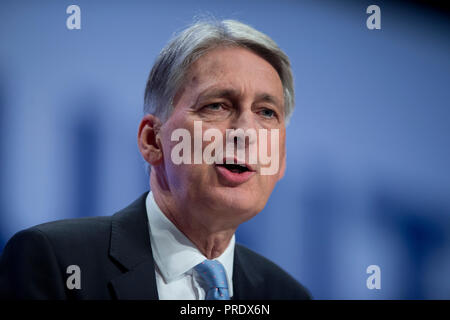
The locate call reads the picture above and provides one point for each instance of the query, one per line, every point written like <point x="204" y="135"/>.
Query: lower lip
<point x="232" y="178"/>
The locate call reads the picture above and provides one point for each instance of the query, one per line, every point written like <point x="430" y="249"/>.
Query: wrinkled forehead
<point x="233" y="70"/>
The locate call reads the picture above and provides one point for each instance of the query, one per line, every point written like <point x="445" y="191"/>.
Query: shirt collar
<point x="173" y="252"/>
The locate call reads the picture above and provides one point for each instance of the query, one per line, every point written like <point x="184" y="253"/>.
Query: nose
<point x="245" y="121"/>
<point x="242" y="138"/>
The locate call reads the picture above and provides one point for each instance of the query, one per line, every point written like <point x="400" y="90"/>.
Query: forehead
<point x="235" y="68"/>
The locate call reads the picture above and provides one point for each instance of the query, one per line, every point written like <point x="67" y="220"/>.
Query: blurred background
<point x="368" y="177"/>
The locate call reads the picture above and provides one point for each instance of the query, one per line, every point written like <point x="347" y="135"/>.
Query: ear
<point x="149" y="141"/>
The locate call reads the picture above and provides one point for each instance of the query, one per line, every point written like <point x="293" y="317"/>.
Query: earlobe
<point x="149" y="140"/>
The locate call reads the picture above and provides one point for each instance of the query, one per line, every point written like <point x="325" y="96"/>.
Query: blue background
<point x="368" y="178"/>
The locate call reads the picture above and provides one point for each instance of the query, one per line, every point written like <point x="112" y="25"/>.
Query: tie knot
<point x="213" y="273"/>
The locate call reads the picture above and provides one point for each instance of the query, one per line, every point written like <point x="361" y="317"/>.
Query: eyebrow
<point x="217" y="93"/>
<point x="270" y="99"/>
<point x="233" y="93"/>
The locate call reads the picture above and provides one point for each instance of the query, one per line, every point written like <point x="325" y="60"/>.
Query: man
<point x="206" y="178"/>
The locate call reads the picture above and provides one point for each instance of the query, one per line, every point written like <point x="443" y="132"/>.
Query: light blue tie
<point x="213" y="273"/>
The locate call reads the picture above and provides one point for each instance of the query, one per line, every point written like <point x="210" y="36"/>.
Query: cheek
<point x="258" y="194"/>
<point x="267" y="184"/>
<point x="183" y="176"/>
<point x="181" y="133"/>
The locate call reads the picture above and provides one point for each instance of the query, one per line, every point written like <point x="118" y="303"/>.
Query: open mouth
<point x="235" y="168"/>
<point x="233" y="174"/>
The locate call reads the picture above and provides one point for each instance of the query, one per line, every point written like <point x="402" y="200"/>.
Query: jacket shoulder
<point x="34" y="262"/>
<point x="82" y="229"/>
<point x="276" y="281"/>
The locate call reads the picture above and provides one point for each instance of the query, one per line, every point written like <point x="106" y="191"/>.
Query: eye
<point x="213" y="106"/>
<point x="268" y="113"/>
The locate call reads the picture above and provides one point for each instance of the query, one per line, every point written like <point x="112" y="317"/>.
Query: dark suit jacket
<point x="116" y="262"/>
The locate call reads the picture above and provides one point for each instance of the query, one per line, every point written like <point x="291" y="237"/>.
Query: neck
<point x="211" y="239"/>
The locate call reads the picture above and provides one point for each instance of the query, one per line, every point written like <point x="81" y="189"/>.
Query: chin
<point x="236" y="200"/>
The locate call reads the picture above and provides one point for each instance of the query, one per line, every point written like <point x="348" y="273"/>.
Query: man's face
<point x="227" y="88"/>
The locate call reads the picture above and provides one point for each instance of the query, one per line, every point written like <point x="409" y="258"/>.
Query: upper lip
<point x="249" y="166"/>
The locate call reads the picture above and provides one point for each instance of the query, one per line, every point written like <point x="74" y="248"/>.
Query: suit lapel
<point x="246" y="283"/>
<point x="131" y="248"/>
<point x="137" y="284"/>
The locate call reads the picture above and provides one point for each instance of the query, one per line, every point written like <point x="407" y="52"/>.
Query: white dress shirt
<point x="175" y="256"/>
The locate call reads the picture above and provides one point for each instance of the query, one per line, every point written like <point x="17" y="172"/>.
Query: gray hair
<point x="174" y="60"/>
